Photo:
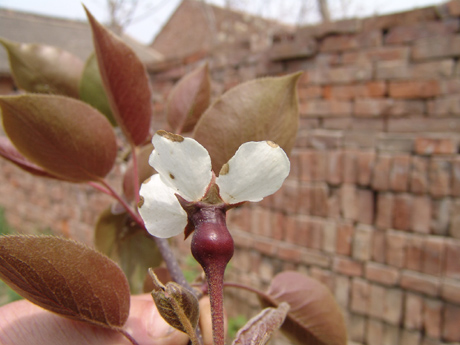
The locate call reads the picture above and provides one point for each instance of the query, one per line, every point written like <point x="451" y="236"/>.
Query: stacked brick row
<point x="372" y="204"/>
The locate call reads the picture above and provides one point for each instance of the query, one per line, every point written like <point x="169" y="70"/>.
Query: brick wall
<point x="371" y="207"/>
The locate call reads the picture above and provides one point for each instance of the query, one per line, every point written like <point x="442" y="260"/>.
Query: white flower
<point x="257" y="169"/>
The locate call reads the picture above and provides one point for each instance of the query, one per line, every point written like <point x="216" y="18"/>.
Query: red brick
<point x="326" y="108"/>
<point x="379" y="246"/>
<point x="347" y="42"/>
<point x="376" y="301"/>
<point x="382" y="274"/>
<point x="441" y="216"/>
<point x="349" y="166"/>
<point x="349" y="201"/>
<point x="435" y="146"/>
<point x="342" y="291"/>
<point x="347" y="267"/>
<point x="395" y="247"/>
<point x="390" y="334"/>
<point x="456" y="176"/>
<point x="414" y="252"/>
<point x="436" y="47"/>
<point x="419" y="282"/>
<point x="306" y="165"/>
<point x="414" y="89"/>
<point x="402" y="211"/>
<point x="432" y="318"/>
<point x="452" y="259"/>
<point x="319" y="166"/>
<point x="264" y="246"/>
<point x="444" y="106"/>
<point x="419" y="175"/>
<point x="295" y="231"/>
<point x="365" y="163"/>
<point x="288" y="253"/>
<point x="375" y="332"/>
<point x="360" y="294"/>
<point x="433" y="255"/>
<point x="417" y="124"/>
<point x="451" y="331"/>
<point x="305" y="199"/>
<point x="376" y="54"/>
<point x="399" y="173"/>
<point x="409" y="33"/>
<point x="320" y="200"/>
<point x="333" y="204"/>
<point x="372" y="107"/>
<point x="329" y="237"/>
<point x="380" y="179"/>
<point x="454" y="229"/>
<point x="385" y="202"/>
<point x="322" y="140"/>
<point x="374" y="89"/>
<point x="393" y="310"/>
<point x="345" y="232"/>
<point x="324" y="276"/>
<point x="365" y="200"/>
<point x="278" y="222"/>
<point x="454" y="8"/>
<point x="342" y="75"/>
<point x="334" y="167"/>
<point x="315" y="258"/>
<point x="410" y="337"/>
<point x="309" y="92"/>
<point x="290" y="197"/>
<point x="450" y="290"/>
<point x="362" y="242"/>
<point x="440" y="177"/>
<point x="413" y="316"/>
<point x="315" y="233"/>
<point x="393" y="69"/>
<point x="421" y="214"/>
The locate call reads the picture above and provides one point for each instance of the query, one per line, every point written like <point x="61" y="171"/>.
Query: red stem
<point x="215" y="278"/>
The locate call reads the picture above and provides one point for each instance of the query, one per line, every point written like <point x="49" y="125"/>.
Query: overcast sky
<point x="145" y="30"/>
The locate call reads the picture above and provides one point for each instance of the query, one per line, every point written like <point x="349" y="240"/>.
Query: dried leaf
<point x="314" y="318"/>
<point x="92" y="91"/>
<point x="65" y="277"/>
<point x="122" y="240"/>
<point x="64" y="136"/>
<point x="44" y="69"/>
<point x="125" y="81"/>
<point x="9" y="152"/>
<point x="144" y="171"/>
<point x="260" y="328"/>
<point x="177" y="305"/>
<point x="162" y="274"/>
<point x="261" y="109"/>
<point x="188" y="100"/>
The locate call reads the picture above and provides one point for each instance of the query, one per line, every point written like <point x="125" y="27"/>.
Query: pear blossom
<point x="257" y="169"/>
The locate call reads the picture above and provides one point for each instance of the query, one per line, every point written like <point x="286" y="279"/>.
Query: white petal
<point x="182" y="163"/>
<point x="162" y="214"/>
<point x="257" y="169"/>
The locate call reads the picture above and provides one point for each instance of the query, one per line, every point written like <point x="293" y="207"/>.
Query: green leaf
<point x="314" y="318"/>
<point x="188" y="100"/>
<point x="64" y="136"/>
<point x="9" y="152"/>
<point x="128" y="245"/>
<point x="44" y="69"/>
<point x="125" y="81"/>
<point x="66" y="277"/>
<point x="260" y="328"/>
<point x="261" y="109"/>
<point x="92" y="91"/>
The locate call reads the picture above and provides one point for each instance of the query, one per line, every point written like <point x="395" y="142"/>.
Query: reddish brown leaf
<point x="188" y="100"/>
<point x="44" y="69"/>
<point x="261" y="109"/>
<point x="64" y="136"/>
<point x="126" y="83"/>
<point x="9" y="152"/>
<point x="144" y="171"/>
<point x="65" y="277"/>
<point x="260" y="328"/>
<point x="314" y="318"/>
